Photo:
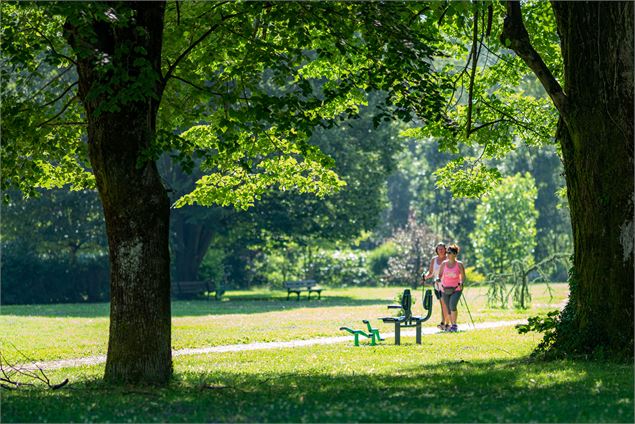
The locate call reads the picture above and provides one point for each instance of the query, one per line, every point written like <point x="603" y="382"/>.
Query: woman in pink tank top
<point x="452" y="275"/>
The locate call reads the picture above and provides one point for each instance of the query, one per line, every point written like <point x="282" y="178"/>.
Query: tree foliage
<point x="505" y="225"/>
<point x="57" y="222"/>
<point x="489" y="86"/>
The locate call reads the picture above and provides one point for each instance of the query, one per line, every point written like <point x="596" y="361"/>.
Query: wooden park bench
<point x="299" y="286"/>
<point x="192" y="289"/>
<point x="407" y="319"/>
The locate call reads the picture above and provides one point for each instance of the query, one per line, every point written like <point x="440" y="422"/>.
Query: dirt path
<point x="94" y="360"/>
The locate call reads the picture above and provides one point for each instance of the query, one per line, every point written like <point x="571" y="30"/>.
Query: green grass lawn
<point x="472" y="376"/>
<point x="48" y="332"/>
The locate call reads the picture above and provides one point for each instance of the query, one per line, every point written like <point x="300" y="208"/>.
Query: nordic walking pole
<point x="468" y="311"/>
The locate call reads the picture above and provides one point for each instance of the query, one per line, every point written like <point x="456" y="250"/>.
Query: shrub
<point x="29" y="278"/>
<point x="378" y="258"/>
<point x="473" y="276"/>
<point x="342" y="268"/>
<point x="212" y="266"/>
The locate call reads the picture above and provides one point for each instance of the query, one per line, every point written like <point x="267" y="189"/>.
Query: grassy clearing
<point x="48" y="332"/>
<point x="475" y="376"/>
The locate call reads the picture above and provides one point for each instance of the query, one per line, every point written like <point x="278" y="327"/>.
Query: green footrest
<point x="373" y="334"/>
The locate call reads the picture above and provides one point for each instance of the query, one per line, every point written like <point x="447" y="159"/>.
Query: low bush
<point x="378" y="258"/>
<point x="29" y="278"/>
<point x="473" y="276"/>
<point x="342" y="269"/>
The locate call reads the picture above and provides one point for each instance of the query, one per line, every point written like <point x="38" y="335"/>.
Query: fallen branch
<point x="10" y="373"/>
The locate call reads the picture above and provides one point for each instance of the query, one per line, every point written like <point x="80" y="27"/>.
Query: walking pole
<point x="468" y="311"/>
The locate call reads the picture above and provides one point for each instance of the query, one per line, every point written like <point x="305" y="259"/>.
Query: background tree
<point x="437" y="208"/>
<point x="363" y="156"/>
<point x="505" y="225"/>
<point x="415" y="245"/>
<point x="56" y="221"/>
<point x="553" y="226"/>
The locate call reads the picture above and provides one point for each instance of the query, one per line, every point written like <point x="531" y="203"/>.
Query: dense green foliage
<point x="505" y="225"/>
<point x="54" y="249"/>
<point x="240" y="86"/>
<point x="57" y="222"/>
<point x="363" y="156"/>
<point x="29" y="277"/>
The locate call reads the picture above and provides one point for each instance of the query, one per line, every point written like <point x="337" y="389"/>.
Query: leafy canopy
<point x="242" y="87"/>
<point x="493" y="103"/>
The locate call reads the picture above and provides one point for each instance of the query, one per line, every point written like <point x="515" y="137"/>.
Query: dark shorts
<point x="452" y="300"/>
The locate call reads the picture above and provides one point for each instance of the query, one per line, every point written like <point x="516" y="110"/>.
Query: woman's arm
<point x="430" y="269"/>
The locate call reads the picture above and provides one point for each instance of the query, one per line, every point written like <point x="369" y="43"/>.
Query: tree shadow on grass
<point x="456" y="391"/>
<point x="197" y="307"/>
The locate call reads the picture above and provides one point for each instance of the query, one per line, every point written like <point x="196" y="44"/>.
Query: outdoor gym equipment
<point x="407" y="319"/>
<point x="373" y="333"/>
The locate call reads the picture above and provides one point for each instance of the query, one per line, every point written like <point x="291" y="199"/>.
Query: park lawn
<point x="472" y="376"/>
<point x="49" y="332"/>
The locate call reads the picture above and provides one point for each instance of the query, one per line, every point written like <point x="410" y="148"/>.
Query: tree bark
<point x="191" y="245"/>
<point x="121" y="124"/>
<point x="597" y="146"/>
<point x="596" y="136"/>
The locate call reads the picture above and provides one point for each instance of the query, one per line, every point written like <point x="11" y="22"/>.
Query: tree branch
<point x="474" y="54"/>
<point x="17" y="370"/>
<point x="41" y="124"/>
<point x="487" y="124"/>
<point x="198" y="87"/>
<point x="513" y="120"/>
<point x="69" y="88"/>
<point x="50" y="43"/>
<point x="69" y="123"/>
<point x="416" y="15"/>
<point x="490" y="16"/>
<point x="51" y="81"/>
<point x="445" y="10"/>
<point x="515" y="36"/>
<point x="211" y="9"/>
<point x="191" y="47"/>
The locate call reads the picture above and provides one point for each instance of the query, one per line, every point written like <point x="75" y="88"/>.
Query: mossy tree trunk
<point x="192" y="242"/>
<point x="118" y="60"/>
<point x="596" y="136"/>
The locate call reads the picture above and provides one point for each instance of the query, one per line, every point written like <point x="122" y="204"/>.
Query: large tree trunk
<point x="121" y="124"/>
<point x="597" y="147"/>
<point x="136" y="210"/>
<point x="191" y="245"/>
<point x="596" y="136"/>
